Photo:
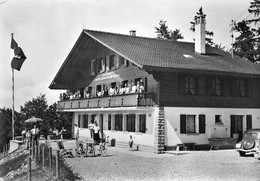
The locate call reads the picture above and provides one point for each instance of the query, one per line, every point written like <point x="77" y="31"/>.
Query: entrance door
<point x="237" y="126"/>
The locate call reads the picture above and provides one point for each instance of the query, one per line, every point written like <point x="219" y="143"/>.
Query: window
<point x="142" y="123"/>
<point x="190" y="85"/>
<point x="98" y="90"/>
<point x="118" y="122"/>
<point x="189" y="124"/>
<point x="85" y="121"/>
<point x="93" y="67"/>
<point x="93" y="116"/>
<point x="218" y="119"/>
<point x="126" y="63"/>
<point x="187" y="85"/>
<point x="217" y="86"/>
<point x="130" y="122"/>
<point x="100" y="65"/>
<point x="121" y="61"/>
<point x="111" y="62"/>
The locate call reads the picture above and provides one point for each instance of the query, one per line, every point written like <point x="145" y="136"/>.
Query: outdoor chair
<point x="64" y="153"/>
<point x="103" y="145"/>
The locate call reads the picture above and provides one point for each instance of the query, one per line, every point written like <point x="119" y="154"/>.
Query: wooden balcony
<point x="127" y="100"/>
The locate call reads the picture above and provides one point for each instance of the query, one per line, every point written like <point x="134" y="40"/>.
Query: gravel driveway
<point x="122" y="164"/>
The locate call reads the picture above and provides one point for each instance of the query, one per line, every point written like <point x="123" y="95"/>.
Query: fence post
<point x="43" y="155"/>
<point x="4" y="150"/>
<point x="33" y="151"/>
<point x="50" y="159"/>
<point x="57" y="164"/>
<point x="29" y="169"/>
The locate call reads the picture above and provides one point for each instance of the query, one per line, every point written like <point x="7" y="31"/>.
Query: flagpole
<point x="12" y="99"/>
<point x="13" y="104"/>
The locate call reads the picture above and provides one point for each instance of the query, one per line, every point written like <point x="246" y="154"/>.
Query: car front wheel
<point x="241" y="153"/>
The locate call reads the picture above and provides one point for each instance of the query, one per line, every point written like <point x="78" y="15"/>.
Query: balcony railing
<point x="127" y="100"/>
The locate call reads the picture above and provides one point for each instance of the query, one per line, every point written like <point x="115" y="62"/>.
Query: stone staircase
<point x="120" y="144"/>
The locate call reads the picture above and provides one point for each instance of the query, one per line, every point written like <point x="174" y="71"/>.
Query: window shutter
<point x="93" y="67"/>
<point x="248" y="121"/>
<point x="107" y="63"/>
<point x="183" y="124"/>
<point x="232" y="124"/>
<point x="202" y="123"/>
<point x="109" y="122"/>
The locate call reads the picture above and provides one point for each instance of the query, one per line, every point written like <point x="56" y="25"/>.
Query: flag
<point x="19" y="57"/>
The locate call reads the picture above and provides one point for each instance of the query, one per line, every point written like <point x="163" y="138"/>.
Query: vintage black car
<point x="250" y="142"/>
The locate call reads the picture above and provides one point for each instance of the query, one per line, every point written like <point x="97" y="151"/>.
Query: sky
<point x="46" y="30"/>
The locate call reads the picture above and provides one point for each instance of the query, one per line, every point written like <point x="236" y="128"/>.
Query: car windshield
<point x="251" y="135"/>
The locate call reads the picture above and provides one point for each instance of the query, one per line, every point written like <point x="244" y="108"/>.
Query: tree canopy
<point x="247" y="44"/>
<point x="36" y="107"/>
<point x="163" y="32"/>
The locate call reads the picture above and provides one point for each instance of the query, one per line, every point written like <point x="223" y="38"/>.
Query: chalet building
<point x="190" y="93"/>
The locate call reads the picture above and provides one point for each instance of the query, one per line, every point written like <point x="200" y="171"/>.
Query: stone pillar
<point x="159" y="131"/>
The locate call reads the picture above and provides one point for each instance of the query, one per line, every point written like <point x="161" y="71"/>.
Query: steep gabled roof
<point x="152" y="52"/>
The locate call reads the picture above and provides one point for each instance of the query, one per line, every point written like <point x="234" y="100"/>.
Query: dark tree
<point x="176" y="35"/>
<point x="164" y="33"/>
<point x="247" y="44"/>
<point x="209" y="34"/>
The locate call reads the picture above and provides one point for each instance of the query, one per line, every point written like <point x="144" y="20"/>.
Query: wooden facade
<point x="183" y="100"/>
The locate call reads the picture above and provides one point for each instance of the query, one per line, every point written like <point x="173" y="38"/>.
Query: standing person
<point x="91" y="129"/>
<point x="131" y="142"/>
<point x="62" y="132"/>
<point x="76" y="132"/>
<point x="55" y="133"/>
<point x="23" y="135"/>
<point x="28" y="138"/>
<point x="35" y="135"/>
<point x="96" y="133"/>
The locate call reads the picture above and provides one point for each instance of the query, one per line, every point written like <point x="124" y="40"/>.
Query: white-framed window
<point x="192" y="123"/>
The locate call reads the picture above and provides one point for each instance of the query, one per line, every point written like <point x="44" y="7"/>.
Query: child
<point x="131" y="142"/>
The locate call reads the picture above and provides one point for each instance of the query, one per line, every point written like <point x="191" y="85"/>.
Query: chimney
<point x="132" y="33"/>
<point x="200" y="28"/>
